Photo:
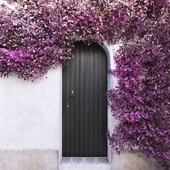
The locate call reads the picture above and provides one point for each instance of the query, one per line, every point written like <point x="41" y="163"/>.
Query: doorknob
<point x="72" y="96"/>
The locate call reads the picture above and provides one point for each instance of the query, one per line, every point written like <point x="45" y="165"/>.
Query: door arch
<point x="84" y="120"/>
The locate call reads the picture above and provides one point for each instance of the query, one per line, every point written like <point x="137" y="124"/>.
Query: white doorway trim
<point x="111" y="83"/>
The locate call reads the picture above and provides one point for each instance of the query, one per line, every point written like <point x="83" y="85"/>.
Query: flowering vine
<point x="141" y="101"/>
<point x="40" y="34"/>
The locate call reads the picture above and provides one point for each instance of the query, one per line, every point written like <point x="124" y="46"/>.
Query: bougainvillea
<point x="141" y="102"/>
<point x="40" y="34"/>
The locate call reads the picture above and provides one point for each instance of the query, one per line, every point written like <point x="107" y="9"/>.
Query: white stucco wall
<point x="30" y="112"/>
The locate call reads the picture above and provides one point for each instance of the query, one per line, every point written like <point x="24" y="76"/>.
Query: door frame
<point x="111" y="83"/>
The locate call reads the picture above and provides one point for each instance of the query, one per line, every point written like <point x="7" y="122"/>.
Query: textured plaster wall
<point x="29" y="160"/>
<point x="133" y="160"/>
<point x="30" y="112"/>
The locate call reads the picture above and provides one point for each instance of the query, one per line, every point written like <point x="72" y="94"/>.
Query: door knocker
<point x="72" y="96"/>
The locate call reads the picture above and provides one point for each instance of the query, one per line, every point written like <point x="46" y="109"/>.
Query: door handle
<point x="72" y="96"/>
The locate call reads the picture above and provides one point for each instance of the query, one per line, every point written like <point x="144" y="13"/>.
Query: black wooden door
<point x="85" y="118"/>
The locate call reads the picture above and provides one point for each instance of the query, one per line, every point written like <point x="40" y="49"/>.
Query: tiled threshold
<point x="84" y="163"/>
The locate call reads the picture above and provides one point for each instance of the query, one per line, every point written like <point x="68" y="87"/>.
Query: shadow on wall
<point x="133" y="160"/>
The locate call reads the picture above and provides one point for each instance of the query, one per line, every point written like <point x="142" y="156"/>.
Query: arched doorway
<point x="84" y="86"/>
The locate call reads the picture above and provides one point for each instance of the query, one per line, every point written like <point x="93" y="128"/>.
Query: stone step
<point x="84" y="163"/>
